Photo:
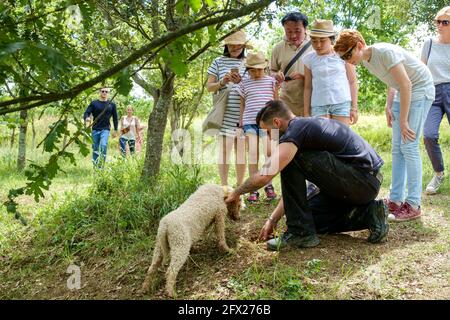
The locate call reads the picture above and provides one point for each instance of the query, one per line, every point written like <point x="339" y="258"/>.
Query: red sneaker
<point x="253" y="197"/>
<point x="406" y="213"/>
<point x="391" y="205"/>
<point x="270" y="192"/>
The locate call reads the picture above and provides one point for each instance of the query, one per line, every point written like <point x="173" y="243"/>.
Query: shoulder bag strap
<point x="295" y="58"/>
<point x="429" y="49"/>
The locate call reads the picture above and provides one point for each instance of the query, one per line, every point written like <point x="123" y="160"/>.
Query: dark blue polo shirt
<point x="321" y="134"/>
<point x="96" y="108"/>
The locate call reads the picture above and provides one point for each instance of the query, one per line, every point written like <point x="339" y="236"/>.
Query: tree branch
<point x="32" y="17"/>
<point x="161" y="41"/>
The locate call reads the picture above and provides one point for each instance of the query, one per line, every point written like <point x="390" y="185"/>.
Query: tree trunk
<point x="157" y="122"/>
<point x="175" y="114"/>
<point x="21" y="158"/>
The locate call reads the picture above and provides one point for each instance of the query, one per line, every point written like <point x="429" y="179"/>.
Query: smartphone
<point x="234" y="70"/>
<point x="287" y="78"/>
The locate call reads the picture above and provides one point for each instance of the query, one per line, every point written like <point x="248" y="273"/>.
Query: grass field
<point x="106" y="223"/>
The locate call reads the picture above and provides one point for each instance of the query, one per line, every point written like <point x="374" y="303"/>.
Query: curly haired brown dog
<point x="181" y="228"/>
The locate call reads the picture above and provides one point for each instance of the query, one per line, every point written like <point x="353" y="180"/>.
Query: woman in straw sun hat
<point x="330" y="83"/>
<point x="227" y="71"/>
<point x="255" y="91"/>
<point x="436" y="55"/>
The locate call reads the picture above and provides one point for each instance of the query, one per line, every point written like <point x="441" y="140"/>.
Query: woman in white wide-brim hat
<point x="227" y="71"/>
<point x="330" y="83"/>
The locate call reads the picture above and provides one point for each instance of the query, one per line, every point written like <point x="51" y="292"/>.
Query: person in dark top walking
<point x="333" y="157"/>
<point x="102" y="110"/>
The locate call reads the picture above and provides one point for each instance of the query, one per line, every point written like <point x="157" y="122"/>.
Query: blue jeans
<point x="346" y="194"/>
<point x="99" y="146"/>
<point x="406" y="160"/>
<point x="123" y="146"/>
<point x="340" y="110"/>
<point x="253" y="129"/>
<point x="440" y="107"/>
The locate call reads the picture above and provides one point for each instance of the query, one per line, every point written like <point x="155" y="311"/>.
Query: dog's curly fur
<point x="181" y="228"/>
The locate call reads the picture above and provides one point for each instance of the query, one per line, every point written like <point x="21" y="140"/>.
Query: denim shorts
<point x="253" y="129"/>
<point x="340" y="109"/>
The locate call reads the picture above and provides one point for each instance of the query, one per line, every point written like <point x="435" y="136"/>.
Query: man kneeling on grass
<point x="333" y="157"/>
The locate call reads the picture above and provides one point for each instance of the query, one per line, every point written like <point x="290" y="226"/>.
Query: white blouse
<point x="439" y="60"/>
<point x="329" y="79"/>
<point x="130" y="135"/>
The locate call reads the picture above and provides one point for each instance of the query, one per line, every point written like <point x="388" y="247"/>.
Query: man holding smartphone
<point x="295" y="40"/>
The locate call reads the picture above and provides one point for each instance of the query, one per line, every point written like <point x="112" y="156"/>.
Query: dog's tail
<point x="162" y="241"/>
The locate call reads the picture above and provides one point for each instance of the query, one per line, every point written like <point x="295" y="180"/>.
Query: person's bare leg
<point x="253" y="153"/>
<point x="267" y="151"/>
<point x="225" y="147"/>
<point x="239" y="149"/>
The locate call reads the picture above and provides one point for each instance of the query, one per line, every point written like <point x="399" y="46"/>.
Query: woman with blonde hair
<point x="436" y="55"/>
<point x="406" y="112"/>
<point x="129" y="132"/>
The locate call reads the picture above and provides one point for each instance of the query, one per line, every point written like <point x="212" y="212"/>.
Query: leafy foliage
<point x="116" y="210"/>
<point x="53" y="49"/>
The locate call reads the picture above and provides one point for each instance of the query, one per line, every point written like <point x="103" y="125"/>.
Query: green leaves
<point x="57" y="131"/>
<point x="42" y="60"/>
<point x="196" y="5"/>
<point x="175" y="57"/>
<point x="212" y="34"/>
<point x="40" y="51"/>
<point x="10" y="48"/>
<point x="123" y="82"/>
<point x="11" y="204"/>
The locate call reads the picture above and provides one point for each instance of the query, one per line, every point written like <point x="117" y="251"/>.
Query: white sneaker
<point x="434" y="184"/>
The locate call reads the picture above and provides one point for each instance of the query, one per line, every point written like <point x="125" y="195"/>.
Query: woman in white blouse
<point x="129" y="130"/>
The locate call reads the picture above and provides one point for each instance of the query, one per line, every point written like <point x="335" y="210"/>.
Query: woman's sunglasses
<point x="443" y="22"/>
<point x="348" y="54"/>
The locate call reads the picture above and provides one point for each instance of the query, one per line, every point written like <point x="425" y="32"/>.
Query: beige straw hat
<point x="256" y="61"/>
<point x="238" y="37"/>
<point x="322" y="29"/>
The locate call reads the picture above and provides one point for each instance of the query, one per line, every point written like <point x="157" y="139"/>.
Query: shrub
<point x="117" y="210"/>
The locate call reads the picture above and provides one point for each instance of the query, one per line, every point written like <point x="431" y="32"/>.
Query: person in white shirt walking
<point x="129" y="129"/>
